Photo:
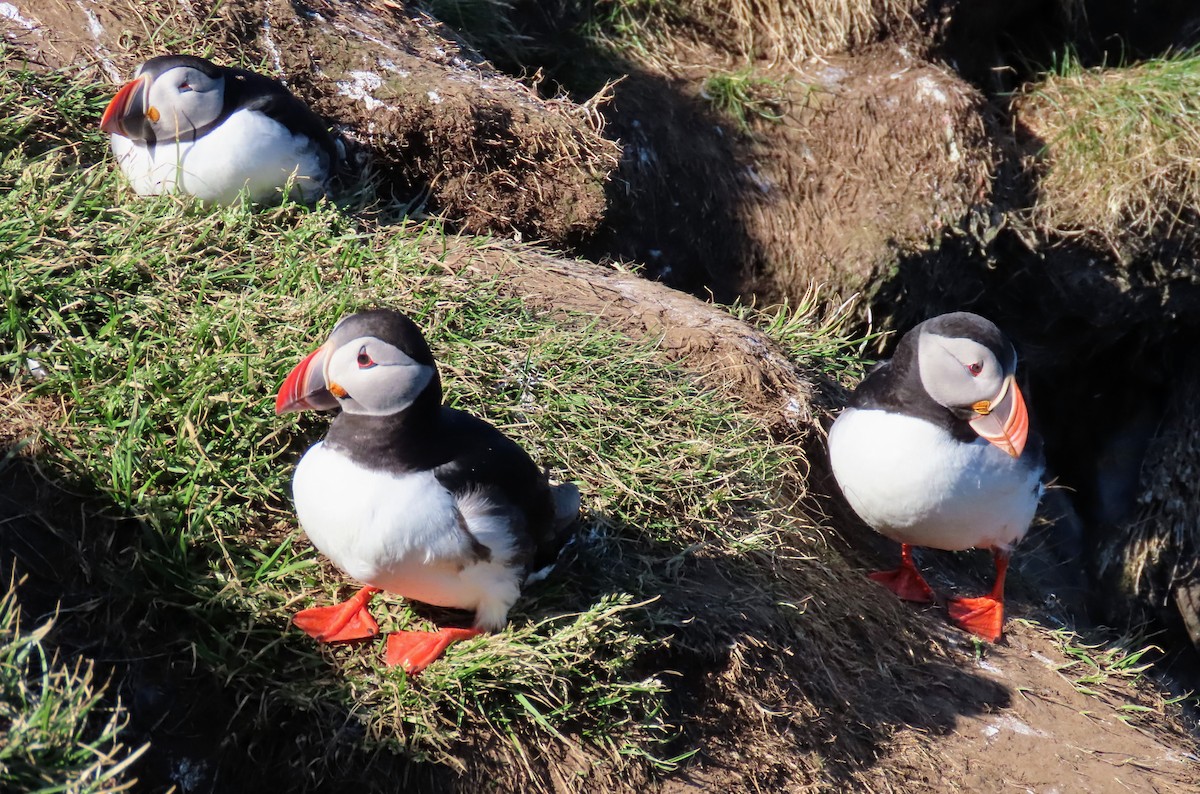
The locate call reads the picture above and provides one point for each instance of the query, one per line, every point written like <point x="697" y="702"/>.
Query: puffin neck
<point x="376" y="441"/>
<point x="896" y="386"/>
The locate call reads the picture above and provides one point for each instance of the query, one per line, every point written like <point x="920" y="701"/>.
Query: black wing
<point x="491" y="464"/>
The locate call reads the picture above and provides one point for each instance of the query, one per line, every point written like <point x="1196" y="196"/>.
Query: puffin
<point x="412" y="497"/>
<point x="935" y="449"/>
<point x="184" y="124"/>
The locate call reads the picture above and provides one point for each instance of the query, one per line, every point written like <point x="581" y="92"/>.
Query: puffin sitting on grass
<point x="183" y="124"/>
<point x="935" y="449"/>
<point x="409" y="496"/>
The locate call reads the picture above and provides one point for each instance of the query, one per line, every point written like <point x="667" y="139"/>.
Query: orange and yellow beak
<point x="1004" y="420"/>
<point x="127" y="111"/>
<point x="305" y="389"/>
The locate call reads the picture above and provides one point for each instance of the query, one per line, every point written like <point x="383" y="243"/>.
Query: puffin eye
<point x="184" y="87"/>
<point x="364" y="360"/>
<point x="975" y="368"/>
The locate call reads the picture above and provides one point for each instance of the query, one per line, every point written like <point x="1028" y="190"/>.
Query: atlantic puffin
<point x="935" y="449"/>
<point x="184" y="124"/>
<point x="410" y="496"/>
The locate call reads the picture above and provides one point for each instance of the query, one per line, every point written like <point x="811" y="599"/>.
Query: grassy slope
<point x="165" y="328"/>
<point x="58" y="732"/>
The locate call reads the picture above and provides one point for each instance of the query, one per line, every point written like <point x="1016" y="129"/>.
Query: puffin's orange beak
<point x="1003" y="421"/>
<point x="304" y="388"/>
<point x="128" y="101"/>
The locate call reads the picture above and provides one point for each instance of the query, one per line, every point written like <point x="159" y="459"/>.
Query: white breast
<point x="400" y="532"/>
<point x="911" y="481"/>
<point x="248" y="150"/>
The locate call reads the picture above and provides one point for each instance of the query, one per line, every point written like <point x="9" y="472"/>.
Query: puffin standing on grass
<point x="412" y="497"/>
<point x="211" y="131"/>
<point x="935" y="449"/>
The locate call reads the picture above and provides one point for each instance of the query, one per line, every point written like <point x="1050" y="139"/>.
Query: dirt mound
<point x="729" y="352"/>
<point x="437" y="122"/>
<point x="865" y="158"/>
<point x="769" y="30"/>
<point x="881" y="155"/>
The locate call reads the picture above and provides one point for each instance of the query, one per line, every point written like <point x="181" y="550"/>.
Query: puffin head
<point x="967" y="365"/>
<point x="374" y="363"/>
<point x="170" y="97"/>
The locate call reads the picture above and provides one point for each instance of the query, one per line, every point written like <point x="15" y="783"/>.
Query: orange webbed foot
<point x="416" y="650"/>
<point x="982" y="616"/>
<point x="906" y="581"/>
<point x="348" y="620"/>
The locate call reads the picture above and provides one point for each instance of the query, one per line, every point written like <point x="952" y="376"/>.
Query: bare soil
<point x="1049" y="736"/>
<point x="868" y="157"/>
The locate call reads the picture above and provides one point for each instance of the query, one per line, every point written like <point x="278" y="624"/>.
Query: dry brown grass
<point x="667" y="35"/>
<point x="1117" y="152"/>
<point x="781" y="31"/>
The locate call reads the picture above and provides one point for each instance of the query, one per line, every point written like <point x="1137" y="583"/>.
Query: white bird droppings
<point x="927" y="88"/>
<point x="11" y="12"/>
<point x="361" y="87"/>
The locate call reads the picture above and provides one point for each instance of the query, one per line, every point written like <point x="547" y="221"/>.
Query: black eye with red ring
<point x="364" y="359"/>
<point x="975" y="368"/>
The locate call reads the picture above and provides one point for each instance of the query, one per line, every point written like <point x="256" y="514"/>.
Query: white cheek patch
<point x="419" y="377"/>
<point x="943" y="363"/>
<point x="387" y="386"/>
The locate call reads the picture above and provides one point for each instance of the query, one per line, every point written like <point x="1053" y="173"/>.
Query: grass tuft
<point x="1118" y="670"/>
<point x="746" y="98"/>
<point x="825" y="335"/>
<point x="58" y="734"/>
<point x="1120" y="150"/>
<point x="43" y="111"/>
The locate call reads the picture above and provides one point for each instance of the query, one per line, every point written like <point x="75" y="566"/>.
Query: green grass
<point x="165" y="329"/>
<point x="58" y="734"/>
<point x="1119" y="149"/>
<point x="1119" y="669"/>
<point x="637" y="27"/>
<point x="819" y="333"/>
<point x="745" y="97"/>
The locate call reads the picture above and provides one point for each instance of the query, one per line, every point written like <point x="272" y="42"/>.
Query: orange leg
<point x="905" y="581"/>
<point x="983" y="616"/>
<point x="348" y="620"/>
<point x="415" y="650"/>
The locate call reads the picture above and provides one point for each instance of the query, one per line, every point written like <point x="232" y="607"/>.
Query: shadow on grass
<point x="80" y="557"/>
<point x="786" y="648"/>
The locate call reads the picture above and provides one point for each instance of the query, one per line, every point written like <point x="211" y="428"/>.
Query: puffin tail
<point x="566" y="499"/>
<point x="566" y="505"/>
